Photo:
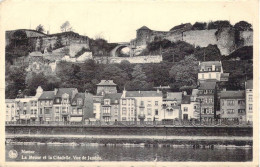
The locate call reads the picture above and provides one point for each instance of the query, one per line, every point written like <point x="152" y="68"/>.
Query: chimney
<point x="158" y="91"/>
<point x="139" y="91"/>
<point x="124" y="93"/>
<point x="55" y="91"/>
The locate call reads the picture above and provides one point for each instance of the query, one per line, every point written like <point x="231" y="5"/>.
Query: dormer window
<point x="57" y="100"/>
<point x="80" y="101"/>
<point x="106" y="102"/>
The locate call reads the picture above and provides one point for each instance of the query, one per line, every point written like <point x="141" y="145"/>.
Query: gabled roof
<point x="174" y="96"/>
<point x="207" y="85"/>
<point x="68" y="91"/>
<point x="106" y="83"/>
<point x="232" y="95"/>
<point x="186" y="99"/>
<point x="143" y="94"/>
<point x="144" y="28"/>
<point x="113" y="97"/>
<point x="47" y="95"/>
<point x="78" y="95"/>
<point x="249" y="84"/>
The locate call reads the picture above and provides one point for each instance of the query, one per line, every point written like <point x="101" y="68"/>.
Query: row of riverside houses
<point x="206" y="103"/>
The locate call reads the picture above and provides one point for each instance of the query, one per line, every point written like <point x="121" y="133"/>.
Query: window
<point x="195" y="107"/>
<point x="241" y="111"/>
<point x="241" y="102"/>
<point x="106" y="102"/>
<point x="24" y="112"/>
<point x="185" y="109"/>
<point x="132" y="111"/>
<point x="64" y="110"/>
<point x="149" y="104"/>
<point x="106" y="110"/>
<point x="80" y="102"/>
<point x="149" y="111"/>
<point x="230" y="102"/>
<point x="142" y="103"/>
<point x="56" y="118"/>
<point x="222" y="102"/>
<point x="209" y="76"/>
<point x="57" y="100"/>
<point x="124" y="110"/>
<point x="205" y="110"/>
<point x="57" y="109"/>
<point x="209" y="69"/>
<point x="210" y="100"/>
<point x="79" y="111"/>
<point x="124" y="102"/>
<point x="250" y="107"/>
<point x="7" y="106"/>
<point x="149" y="119"/>
<point x="123" y="118"/>
<point x="230" y="111"/>
<point x="35" y="111"/>
<point x="74" y="111"/>
<point x="210" y="111"/>
<point x="47" y="111"/>
<point x="205" y="92"/>
<point x="156" y="112"/>
<point x="40" y="111"/>
<point x="250" y="98"/>
<point x="156" y="103"/>
<point x="31" y="111"/>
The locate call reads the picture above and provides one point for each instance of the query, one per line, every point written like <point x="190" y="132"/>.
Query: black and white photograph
<point x="130" y="82"/>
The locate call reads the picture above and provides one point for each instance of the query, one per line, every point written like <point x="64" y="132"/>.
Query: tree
<point x="219" y="24"/>
<point x="40" y="28"/>
<point x="199" y="26"/>
<point x="209" y="53"/>
<point x="58" y="43"/>
<point x="66" y="27"/>
<point x="184" y="73"/>
<point x="243" y="26"/>
<point x="139" y="79"/>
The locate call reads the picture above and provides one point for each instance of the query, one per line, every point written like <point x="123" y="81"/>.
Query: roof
<point x="47" y="95"/>
<point x="106" y="83"/>
<point x="210" y="63"/>
<point x="232" y="94"/>
<point x="180" y="26"/>
<point x="174" y="96"/>
<point x="68" y="91"/>
<point x="249" y="84"/>
<point x="9" y="100"/>
<point x="113" y="97"/>
<point x="144" y="28"/>
<point x="79" y="95"/>
<point x="143" y="94"/>
<point x="195" y="92"/>
<point x="207" y="85"/>
<point x="186" y="99"/>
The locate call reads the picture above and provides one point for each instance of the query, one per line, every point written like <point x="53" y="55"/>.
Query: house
<point x="97" y="107"/>
<point x="232" y="105"/>
<point x="249" y="100"/>
<point x="207" y="98"/>
<point x="171" y="106"/>
<point x="106" y="87"/>
<point x="77" y="108"/>
<point x="110" y="107"/>
<point x="146" y="105"/>
<point x="190" y="108"/>
<point x="210" y="70"/>
<point x="45" y="109"/>
<point x="10" y="110"/>
<point x="62" y="103"/>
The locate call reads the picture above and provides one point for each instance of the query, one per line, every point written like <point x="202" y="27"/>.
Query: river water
<point x="123" y="153"/>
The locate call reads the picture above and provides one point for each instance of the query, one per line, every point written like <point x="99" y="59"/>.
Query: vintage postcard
<point x="129" y="83"/>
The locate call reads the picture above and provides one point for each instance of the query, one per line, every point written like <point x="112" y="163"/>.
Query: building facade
<point x="210" y="70"/>
<point x="171" y="106"/>
<point x="207" y="100"/>
<point x="106" y="87"/>
<point x="10" y="110"/>
<point x="110" y="107"/>
<point x="232" y="105"/>
<point x="249" y="100"/>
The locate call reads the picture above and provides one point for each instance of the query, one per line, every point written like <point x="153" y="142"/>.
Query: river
<point x="96" y="152"/>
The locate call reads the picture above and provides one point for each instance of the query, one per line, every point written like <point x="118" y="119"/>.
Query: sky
<point x="117" y="21"/>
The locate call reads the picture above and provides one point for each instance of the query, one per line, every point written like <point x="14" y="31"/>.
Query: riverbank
<point x="154" y="141"/>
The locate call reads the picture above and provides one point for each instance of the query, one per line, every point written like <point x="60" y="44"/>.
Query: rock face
<point x="76" y="47"/>
<point x="223" y="38"/>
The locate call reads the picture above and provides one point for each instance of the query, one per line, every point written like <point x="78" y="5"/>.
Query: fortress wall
<point x="200" y="38"/>
<point x="134" y="60"/>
